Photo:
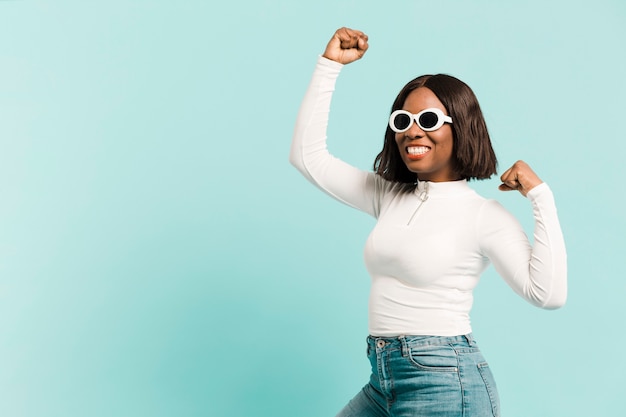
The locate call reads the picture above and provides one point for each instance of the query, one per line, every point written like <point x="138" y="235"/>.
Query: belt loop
<point x="405" y="347"/>
<point x="469" y="338"/>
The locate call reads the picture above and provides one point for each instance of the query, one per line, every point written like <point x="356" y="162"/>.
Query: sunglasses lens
<point x="428" y="120"/>
<point x="402" y="121"/>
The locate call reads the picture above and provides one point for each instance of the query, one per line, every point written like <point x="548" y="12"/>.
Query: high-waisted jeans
<point x="426" y="376"/>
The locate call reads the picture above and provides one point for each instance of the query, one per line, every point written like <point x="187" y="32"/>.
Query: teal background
<point x="160" y="257"/>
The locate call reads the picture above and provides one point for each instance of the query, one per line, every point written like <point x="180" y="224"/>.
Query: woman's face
<point x="428" y="154"/>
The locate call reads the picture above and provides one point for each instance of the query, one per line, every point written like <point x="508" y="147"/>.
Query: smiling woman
<point x="426" y="152"/>
<point x="157" y="248"/>
<point x="458" y="145"/>
<point x="433" y="238"/>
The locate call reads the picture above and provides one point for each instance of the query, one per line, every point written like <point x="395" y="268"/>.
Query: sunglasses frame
<point x="441" y="119"/>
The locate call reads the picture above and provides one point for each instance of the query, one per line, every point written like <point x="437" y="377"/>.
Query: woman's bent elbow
<point x="555" y="302"/>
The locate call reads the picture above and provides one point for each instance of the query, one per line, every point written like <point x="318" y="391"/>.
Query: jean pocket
<point x="490" y="384"/>
<point x="434" y="359"/>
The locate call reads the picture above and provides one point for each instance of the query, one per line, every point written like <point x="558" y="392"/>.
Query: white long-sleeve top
<point x="426" y="255"/>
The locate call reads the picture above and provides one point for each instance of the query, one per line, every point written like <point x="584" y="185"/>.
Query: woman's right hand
<point x="346" y="46"/>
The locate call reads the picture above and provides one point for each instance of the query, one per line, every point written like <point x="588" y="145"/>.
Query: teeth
<point x="417" y="150"/>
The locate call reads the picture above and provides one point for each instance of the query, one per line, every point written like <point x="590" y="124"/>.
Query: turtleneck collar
<point x="443" y="189"/>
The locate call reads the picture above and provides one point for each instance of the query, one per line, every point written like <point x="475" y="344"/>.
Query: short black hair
<point x="473" y="156"/>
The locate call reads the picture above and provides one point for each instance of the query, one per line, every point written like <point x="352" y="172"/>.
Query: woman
<point x="433" y="238"/>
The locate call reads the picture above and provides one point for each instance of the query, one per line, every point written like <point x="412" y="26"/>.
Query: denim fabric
<point x="426" y="376"/>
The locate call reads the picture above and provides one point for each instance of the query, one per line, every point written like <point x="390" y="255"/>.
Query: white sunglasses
<point x="428" y="120"/>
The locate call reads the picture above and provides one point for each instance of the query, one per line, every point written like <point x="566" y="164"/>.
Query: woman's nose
<point x="414" y="130"/>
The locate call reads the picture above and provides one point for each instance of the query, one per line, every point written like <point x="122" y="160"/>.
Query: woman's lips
<point x="417" y="152"/>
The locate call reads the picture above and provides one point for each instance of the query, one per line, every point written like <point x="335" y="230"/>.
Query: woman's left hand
<point x="519" y="177"/>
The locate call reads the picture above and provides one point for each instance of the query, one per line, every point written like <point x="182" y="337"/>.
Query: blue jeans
<point x="426" y="376"/>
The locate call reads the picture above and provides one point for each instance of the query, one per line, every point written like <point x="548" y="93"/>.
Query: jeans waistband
<point x="400" y="342"/>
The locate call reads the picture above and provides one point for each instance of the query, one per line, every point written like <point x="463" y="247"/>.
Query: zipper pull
<point x="423" y="196"/>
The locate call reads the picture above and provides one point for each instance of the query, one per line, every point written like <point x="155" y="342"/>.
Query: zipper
<point x="423" y="196"/>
